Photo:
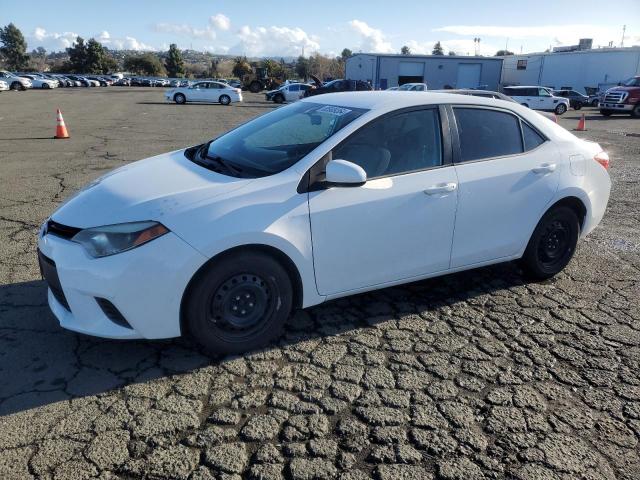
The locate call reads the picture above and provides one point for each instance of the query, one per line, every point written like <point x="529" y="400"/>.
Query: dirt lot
<point x="475" y="375"/>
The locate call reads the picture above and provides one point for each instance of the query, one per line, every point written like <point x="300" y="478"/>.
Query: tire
<point x="255" y="87"/>
<point x="252" y="283"/>
<point x="225" y="99"/>
<point x="180" y="99"/>
<point x="45" y="86"/>
<point x="560" y="109"/>
<point x="278" y="99"/>
<point x="577" y="106"/>
<point x="606" y="113"/>
<point x="594" y="102"/>
<point x="635" y="113"/>
<point x="17" y="86"/>
<point x="552" y="244"/>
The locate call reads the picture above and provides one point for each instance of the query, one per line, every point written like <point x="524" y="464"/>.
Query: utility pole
<point x="624" y="29"/>
<point x="506" y="44"/>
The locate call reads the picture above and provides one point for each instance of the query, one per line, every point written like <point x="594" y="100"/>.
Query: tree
<point x="437" y="49"/>
<point x="145" y="64"/>
<point x="346" y="53"/>
<point x="14" y="48"/>
<point x="213" y="68"/>
<point x="38" y="59"/>
<point x="502" y="53"/>
<point x="452" y="53"/>
<point x="302" y="68"/>
<point x="270" y="65"/>
<point x="405" y="50"/>
<point x="174" y="63"/>
<point x="241" y="67"/>
<point x="77" y="56"/>
<point x="95" y="59"/>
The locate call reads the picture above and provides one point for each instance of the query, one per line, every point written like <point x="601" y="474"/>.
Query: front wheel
<point x="225" y="99"/>
<point x="255" y="87"/>
<point x="577" y="106"/>
<point x="17" y="86"/>
<point x="278" y="99"/>
<point x="606" y="113"/>
<point x="635" y="113"/>
<point x="560" y="109"/>
<point x="179" y="98"/>
<point x="240" y="303"/>
<point x="552" y="244"/>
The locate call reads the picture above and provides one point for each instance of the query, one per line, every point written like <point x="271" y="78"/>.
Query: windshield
<point x="273" y="142"/>
<point x="406" y="86"/>
<point x="632" y="82"/>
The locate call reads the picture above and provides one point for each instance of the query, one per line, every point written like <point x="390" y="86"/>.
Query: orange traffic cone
<point x="582" y="124"/>
<point x="61" y="128"/>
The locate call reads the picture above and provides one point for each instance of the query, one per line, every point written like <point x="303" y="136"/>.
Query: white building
<point x="580" y="70"/>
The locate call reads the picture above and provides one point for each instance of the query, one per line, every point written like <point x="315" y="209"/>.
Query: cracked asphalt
<point x="474" y="375"/>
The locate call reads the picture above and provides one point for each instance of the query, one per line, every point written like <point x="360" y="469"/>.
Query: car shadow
<point x="41" y="363"/>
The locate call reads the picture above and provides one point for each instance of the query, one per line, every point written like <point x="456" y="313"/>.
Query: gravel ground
<point x="474" y="375"/>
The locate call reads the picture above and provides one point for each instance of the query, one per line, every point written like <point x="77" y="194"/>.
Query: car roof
<point x="392" y="100"/>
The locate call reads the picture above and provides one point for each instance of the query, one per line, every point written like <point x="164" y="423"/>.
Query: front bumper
<point x="622" y="107"/>
<point x="145" y="284"/>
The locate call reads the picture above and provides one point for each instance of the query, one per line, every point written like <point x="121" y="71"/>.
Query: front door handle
<point x="545" y="168"/>
<point x="441" y="188"/>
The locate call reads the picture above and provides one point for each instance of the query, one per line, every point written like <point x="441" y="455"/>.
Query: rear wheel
<point x="560" y="109"/>
<point x="606" y="113"/>
<point x="255" y="87"/>
<point x="179" y="98"/>
<point x="552" y="243"/>
<point x="577" y="106"/>
<point x="225" y="99"/>
<point x="240" y="303"/>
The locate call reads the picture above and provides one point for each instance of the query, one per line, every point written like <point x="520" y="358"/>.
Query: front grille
<point x="49" y="272"/>
<point x="615" y="97"/>
<point x="112" y="313"/>
<point x="60" y="230"/>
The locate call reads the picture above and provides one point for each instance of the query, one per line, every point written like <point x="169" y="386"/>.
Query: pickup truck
<point x="624" y="98"/>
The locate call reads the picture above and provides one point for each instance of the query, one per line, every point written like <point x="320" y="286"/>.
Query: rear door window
<point x="486" y="133"/>
<point x="532" y="139"/>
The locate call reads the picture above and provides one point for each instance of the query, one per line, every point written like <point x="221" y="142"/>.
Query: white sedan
<point x="4" y="86"/>
<point x="206" y="92"/>
<point x="41" y="82"/>
<point x="323" y="198"/>
<point x="290" y="92"/>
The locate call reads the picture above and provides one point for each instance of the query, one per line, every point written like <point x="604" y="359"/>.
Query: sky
<point x="286" y="28"/>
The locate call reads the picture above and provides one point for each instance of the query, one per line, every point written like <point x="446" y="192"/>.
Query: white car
<point x="413" y="87"/>
<point x="289" y="92"/>
<point x="4" y="86"/>
<point x="15" y="82"/>
<point x="538" y="98"/>
<point x="207" y="92"/>
<point x="41" y="82"/>
<point x="323" y="198"/>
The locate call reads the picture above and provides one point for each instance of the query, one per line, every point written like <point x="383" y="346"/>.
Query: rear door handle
<point x="441" y="188"/>
<point x="545" y="168"/>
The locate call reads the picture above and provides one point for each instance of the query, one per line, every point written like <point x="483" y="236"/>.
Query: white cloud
<point x="220" y="21"/>
<point x="52" y="41"/>
<point x="371" y="39"/>
<point x="553" y="34"/>
<point x="274" y="41"/>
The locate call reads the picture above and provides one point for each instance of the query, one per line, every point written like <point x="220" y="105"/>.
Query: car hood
<point x="152" y="189"/>
<point x="623" y="89"/>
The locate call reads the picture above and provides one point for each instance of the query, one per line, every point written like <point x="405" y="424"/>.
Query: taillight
<point x="603" y="159"/>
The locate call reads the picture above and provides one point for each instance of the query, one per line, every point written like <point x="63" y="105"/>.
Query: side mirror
<point x="345" y="173"/>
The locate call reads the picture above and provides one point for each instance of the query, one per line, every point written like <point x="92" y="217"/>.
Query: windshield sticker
<point x="337" y="111"/>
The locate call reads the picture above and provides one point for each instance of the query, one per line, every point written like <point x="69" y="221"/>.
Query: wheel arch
<point x="574" y="203"/>
<point x="281" y="257"/>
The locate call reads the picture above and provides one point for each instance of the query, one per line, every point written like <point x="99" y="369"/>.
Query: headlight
<point x="112" y="239"/>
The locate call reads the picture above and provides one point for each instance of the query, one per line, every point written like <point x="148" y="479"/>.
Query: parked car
<point x="576" y="99"/>
<point x="4" y="86"/>
<point x="287" y="93"/>
<point x="491" y="94"/>
<point x="337" y="86"/>
<point x="15" y="82"/>
<point x="537" y="98"/>
<point x="101" y="81"/>
<point x="122" y="82"/>
<point x="622" y="99"/>
<point x="40" y="82"/>
<point x="83" y="81"/>
<point x="594" y="99"/>
<point x="413" y="87"/>
<point x="235" y="83"/>
<point x="215" y="240"/>
<point x="208" y="92"/>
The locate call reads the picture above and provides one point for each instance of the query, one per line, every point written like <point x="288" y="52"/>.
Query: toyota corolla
<point x="331" y="196"/>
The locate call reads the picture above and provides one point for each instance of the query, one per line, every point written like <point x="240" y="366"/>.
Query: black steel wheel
<point x="239" y="303"/>
<point x="552" y="243"/>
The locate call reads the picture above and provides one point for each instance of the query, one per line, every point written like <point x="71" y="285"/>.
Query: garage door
<point x="411" y="69"/>
<point x="468" y="75"/>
